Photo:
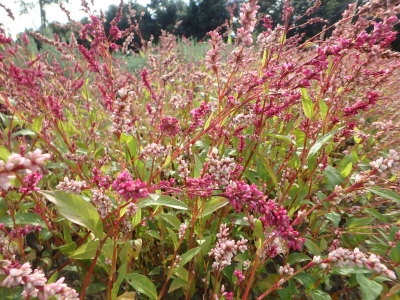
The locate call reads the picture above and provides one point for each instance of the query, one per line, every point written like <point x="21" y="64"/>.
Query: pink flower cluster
<point x="278" y="219"/>
<point x="241" y="195"/>
<point x="248" y="20"/>
<point x="35" y="283"/>
<point x="198" y="114"/>
<point x="225" y="249"/>
<point x="170" y="126"/>
<point x="213" y="55"/>
<point x="128" y="188"/>
<point x="360" y="105"/>
<point x="27" y="164"/>
<point x="30" y="183"/>
<point x="100" y="180"/>
<point x="342" y="257"/>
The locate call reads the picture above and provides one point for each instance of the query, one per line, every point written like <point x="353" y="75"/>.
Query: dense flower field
<point x="267" y="170"/>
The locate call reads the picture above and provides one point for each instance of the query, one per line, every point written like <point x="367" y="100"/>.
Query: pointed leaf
<point x="308" y="105"/>
<point x="117" y="283"/>
<point x="318" y="145"/>
<point x="155" y="200"/>
<point x="142" y="284"/>
<point x="186" y="257"/>
<point x="176" y="284"/>
<point x="213" y="205"/>
<point x="385" y="193"/>
<point x="75" y="209"/>
<point x="271" y="172"/>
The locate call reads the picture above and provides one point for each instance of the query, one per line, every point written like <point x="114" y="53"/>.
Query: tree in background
<point x="204" y="16"/>
<point x="28" y="5"/>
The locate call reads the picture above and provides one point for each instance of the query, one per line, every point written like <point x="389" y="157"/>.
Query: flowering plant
<point x="266" y="170"/>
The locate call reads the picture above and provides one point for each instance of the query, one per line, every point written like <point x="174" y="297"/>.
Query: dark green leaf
<point x="333" y="177"/>
<point x="117" y="283"/>
<point x="176" y="284"/>
<point x="142" y="284"/>
<point x="395" y="253"/>
<point x="318" y="145"/>
<point x="186" y="257"/>
<point x="271" y="172"/>
<point x="312" y="247"/>
<point x="320" y="295"/>
<point x="297" y="257"/>
<point x="359" y="222"/>
<point x="95" y="288"/>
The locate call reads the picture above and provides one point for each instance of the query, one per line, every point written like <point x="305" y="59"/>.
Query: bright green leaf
<point x="214" y="204"/>
<point x="308" y="105"/>
<point x="155" y="200"/>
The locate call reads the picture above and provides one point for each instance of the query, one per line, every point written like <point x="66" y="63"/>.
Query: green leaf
<point x="349" y="271"/>
<point x="4" y="153"/>
<point x="37" y="124"/>
<point x="186" y="257"/>
<point x="297" y="257"/>
<point x="353" y="222"/>
<point x="75" y="209"/>
<point x="205" y="244"/>
<point x="176" y="284"/>
<point x="320" y="295"/>
<point x="312" y="247"/>
<point x="173" y="237"/>
<point x="376" y="214"/>
<point x="95" y="288"/>
<point x="333" y="177"/>
<point x="323" y="108"/>
<point x="214" y="204"/>
<point x="24" y="132"/>
<point x="395" y="253"/>
<point x="308" y="105"/>
<point x="281" y="137"/>
<point x="171" y="219"/>
<point x="334" y="217"/>
<point x="268" y="168"/>
<point x="142" y="284"/>
<point x="156" y="200"/>
<point x="305" y="279"/>
<point x="197" y="166"/>
<point x="117" y="283"/>
<point x="385" y="193"/>
<point x="86" y="251"/>
<point x="318" y="145"/>
<point x="369" y="288"/>
<point x="23" y="219"/>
